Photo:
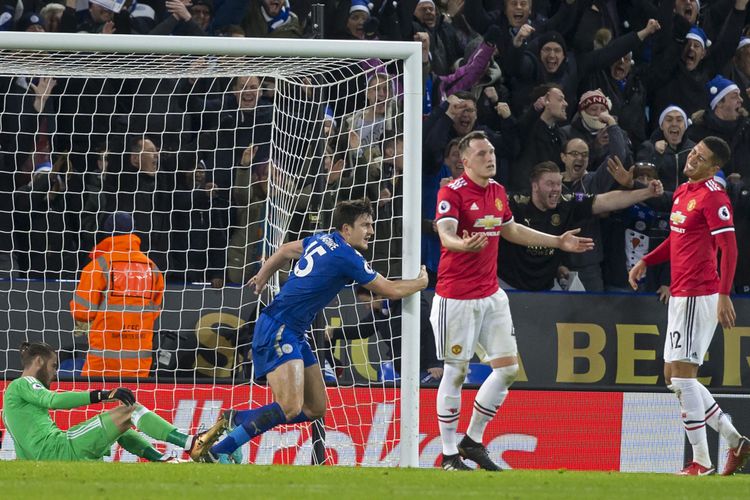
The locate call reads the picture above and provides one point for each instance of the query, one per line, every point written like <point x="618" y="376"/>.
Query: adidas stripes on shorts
<point x="690" y="327"/>
<point x="463" y="327"/>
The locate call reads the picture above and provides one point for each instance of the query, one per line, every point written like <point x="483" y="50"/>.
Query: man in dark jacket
<point x="668" y="148"/>
<point x="198" y="232"/>
<point x="627" y="94"/>
<point x="725" y="118"/>
<point x="456" y="117"/>
<point x="445" y="45"/>
<point x="41" y="242"/>
<point x="577" y="180"/>
<point x="143" y="189"/>
<point x="239" y="118"/>
<point x="540" y="128"/>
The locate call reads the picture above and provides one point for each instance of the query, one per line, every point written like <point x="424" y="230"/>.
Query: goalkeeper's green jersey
<point x="26" y="405"/>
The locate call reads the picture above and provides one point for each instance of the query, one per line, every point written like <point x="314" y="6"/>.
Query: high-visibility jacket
<point x="120" y="295"/>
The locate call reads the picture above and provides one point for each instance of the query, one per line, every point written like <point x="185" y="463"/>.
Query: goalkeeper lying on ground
<point x="27" y="401"/>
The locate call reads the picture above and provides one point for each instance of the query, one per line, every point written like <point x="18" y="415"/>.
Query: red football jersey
<point x="471" y="275"/>
<point x="700" y="210"/>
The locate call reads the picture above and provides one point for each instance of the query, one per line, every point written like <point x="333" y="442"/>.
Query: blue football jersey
<point x="327" y="265"/>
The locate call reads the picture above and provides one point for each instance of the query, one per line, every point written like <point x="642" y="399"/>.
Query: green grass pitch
<point x="55" y="480"/>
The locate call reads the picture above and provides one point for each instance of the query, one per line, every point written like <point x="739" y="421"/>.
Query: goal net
<point x="220" y="150"/>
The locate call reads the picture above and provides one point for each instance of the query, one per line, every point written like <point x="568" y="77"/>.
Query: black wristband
<point x="98" y="396"/>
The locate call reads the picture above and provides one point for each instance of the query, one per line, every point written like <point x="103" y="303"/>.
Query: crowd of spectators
<point x="566" y="90"/>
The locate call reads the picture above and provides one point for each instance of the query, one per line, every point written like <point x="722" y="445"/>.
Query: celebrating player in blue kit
<point x="327" y="262"/>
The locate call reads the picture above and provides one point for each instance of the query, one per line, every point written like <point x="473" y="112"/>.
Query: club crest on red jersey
<point x="691" y="205"/>
<point x="499" y="204"/>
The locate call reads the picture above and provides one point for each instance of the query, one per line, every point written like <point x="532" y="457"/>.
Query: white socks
<point x="717" y="419"/>
<point x="138" y="413"/>
<point x="449" y="405"/>
<point x="489" y="398"/>
<point x="693" y="416"/>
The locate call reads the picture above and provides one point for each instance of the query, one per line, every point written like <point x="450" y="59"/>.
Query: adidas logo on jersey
<point x="474" y="207"/>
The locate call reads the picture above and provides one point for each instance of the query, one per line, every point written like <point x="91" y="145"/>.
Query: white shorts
<point x="463" y="327"/>
<point x="691" y="325"/>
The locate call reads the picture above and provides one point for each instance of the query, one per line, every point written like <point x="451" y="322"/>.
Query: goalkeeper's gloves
<point x="122" y="394"/>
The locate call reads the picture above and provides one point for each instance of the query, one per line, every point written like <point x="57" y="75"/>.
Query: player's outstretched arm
<point x="448" y="231"/>
<point x="398" y="289"/>
<point x="38" y="395"/>
<point x="524" y="235"/>
<point x="288" y="251"/>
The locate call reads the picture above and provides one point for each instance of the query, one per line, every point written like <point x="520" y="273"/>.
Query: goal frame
<point x="411" y="55"/>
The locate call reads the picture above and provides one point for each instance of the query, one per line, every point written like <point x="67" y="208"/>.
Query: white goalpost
<point x="255" y="140"/>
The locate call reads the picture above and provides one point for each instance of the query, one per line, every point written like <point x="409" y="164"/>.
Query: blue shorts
<point x="274" y="345"/>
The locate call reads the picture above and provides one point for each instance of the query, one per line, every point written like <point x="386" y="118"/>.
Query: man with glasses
<point x="577" y="180"/>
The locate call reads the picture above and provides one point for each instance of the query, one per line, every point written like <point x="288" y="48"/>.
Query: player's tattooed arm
<point x="287" y="251"/>
<point x="448" y="228"/>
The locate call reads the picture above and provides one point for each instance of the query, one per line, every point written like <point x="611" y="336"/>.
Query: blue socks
<point x="299" y="418"/>
<point x="251" y="423"/>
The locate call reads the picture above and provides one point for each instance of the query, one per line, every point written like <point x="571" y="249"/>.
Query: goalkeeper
<point x="27" y="401"/>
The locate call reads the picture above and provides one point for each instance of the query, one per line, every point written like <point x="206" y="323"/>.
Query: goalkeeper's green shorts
<point x="89" y="440"/>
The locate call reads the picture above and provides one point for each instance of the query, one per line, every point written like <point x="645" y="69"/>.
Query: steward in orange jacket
<point x="120" y="296"/>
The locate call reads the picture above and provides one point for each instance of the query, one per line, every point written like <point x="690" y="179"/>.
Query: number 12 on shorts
<point x="674" y="340"/>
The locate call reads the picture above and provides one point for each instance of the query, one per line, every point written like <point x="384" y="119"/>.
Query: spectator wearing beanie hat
<point x="118" y="223"/>
<point x="685" y="67"/>
<point x="546" y="59"/>
<point x="725" y="118"/>
<point x="595" y="126"/>
<point x="668" y="147"/>
<point x="349" y="20"/>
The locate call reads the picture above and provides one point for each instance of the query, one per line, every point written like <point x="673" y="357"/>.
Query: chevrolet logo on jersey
<point x="488" y="222"/>
<point x="677" y="218"/>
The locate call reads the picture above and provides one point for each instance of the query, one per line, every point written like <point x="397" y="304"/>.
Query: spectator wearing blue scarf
<point x="272" y="18"/>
